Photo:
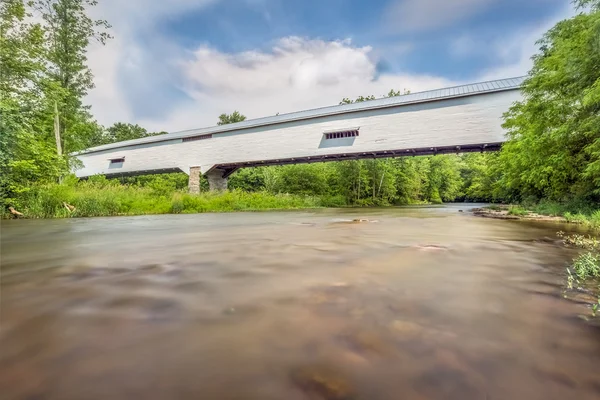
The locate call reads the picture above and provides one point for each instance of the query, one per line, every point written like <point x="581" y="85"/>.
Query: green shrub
<point x="103" y="197"/>
<point x="576" y="218"/>
<point x="587" y="266"/>
<point x="517" y="210"/>
<point x="595" y="219"/>
<point x="583" y="242"/>
<point x="551" y="208"/>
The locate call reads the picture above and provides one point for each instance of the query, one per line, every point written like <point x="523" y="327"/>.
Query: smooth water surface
<point x="426" y="303"/>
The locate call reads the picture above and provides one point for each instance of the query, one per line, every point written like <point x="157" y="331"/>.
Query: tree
<point x="248" y="179"/>
<point x="68" y="33"/>
<point x="232" y="118"/>
<point x="553" y="148"/>
<point x="444" y="179"/>
<point x="308" y="179"/>
<point x="394" y="93"/>
<point x="359" y="99"/>
<point x="480" y="173"/>
<point x="592" y="4"/>
<point x="120" y="132"/>
<point x="351" y="180"/>
<point x="20" y="49"/>
<point x="24" y="158"/>
<point x="409" y="180"/>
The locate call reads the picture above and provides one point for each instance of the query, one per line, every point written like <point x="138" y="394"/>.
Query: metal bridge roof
<point x="420" y="97"/>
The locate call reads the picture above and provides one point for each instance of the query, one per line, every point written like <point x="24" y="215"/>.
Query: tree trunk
<point x="57" y="130"/>
<point x="57" y="135"/>
<point x="380" y="183"/>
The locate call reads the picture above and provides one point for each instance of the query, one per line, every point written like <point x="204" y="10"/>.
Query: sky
<point x="178" y="64"/>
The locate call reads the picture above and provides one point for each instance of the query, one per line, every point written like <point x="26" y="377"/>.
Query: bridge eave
<point x="229" y="168"/>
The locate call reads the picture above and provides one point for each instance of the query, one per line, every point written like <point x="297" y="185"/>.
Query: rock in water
<point x="407" y="329"/>
<point x="323" y="382"/>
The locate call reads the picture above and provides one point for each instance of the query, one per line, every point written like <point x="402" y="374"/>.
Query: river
<point x="418" y="303"/>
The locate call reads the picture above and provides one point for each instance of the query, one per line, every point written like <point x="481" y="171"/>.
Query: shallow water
<point x="426" y="303"/>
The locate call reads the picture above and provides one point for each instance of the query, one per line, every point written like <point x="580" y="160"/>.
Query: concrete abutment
<point x="216" y="181"/>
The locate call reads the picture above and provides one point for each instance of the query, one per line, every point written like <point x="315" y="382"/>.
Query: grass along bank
<point x="582" y="214"/>
<point x="101" y="197"/>
<point x="583" y="275"/>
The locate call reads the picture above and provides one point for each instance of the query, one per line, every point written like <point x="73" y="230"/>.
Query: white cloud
<point x="123" y="56"/>
<point x="294" y="74"/>
<point x="108" y="103"/>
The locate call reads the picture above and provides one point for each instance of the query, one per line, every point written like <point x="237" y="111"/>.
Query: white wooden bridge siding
<point x="475" y="119"/>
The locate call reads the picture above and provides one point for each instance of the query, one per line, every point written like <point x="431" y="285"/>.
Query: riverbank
<point x="541" y="212"/>
<point x="582" y="276"/>
<point x="92" y="199"/>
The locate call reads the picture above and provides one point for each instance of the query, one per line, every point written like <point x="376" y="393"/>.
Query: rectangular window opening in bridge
<point x="116" y="162"/>
<point x="341" y="134"/>
<point x="199" y="137"/>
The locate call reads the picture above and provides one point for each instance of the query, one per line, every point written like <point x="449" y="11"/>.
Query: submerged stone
<point x="322" y="382"/>
<point x="407" y="329"/>
<point x="364" y="342"/>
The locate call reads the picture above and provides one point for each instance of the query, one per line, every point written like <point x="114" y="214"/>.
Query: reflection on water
<point x="427" y="303"/>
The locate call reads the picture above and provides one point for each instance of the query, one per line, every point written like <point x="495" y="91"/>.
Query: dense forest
<point x="552" y="153"/>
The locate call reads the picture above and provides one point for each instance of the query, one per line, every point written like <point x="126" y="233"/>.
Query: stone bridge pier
<point x="217" y="180"/>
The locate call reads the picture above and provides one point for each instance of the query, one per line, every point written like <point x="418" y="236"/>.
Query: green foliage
<point x="585" y="270"/>
<point x="120" y="132"/>
<point x="359" y="99"/>
<point x="409" y="180"/>
<point x="21" y="45"/>
<point x="546" y="207"/>
<point x="581" y="241"/>
<point x="480" y="173"/>
<point x="309" y="179"/>
<point x="553" y="150"/>
<point x="587" y="266"/>
<point x="575" y="218"/>
<point x="162" y="184"/>
<point x="444" y="178"/>
<point x="232" y="118"/>
<point x="43" y="67"/>
<point x="394" y="93"/>
<point x="91" y="134"/>
<point x="68" y="31"/>
<point x="592" y="4"/>
<point x="99" y="196"/>
<point x="517" y="210"/>
<point x="362" y="182"/>
<point x="248" y="179"/>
